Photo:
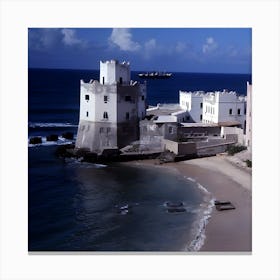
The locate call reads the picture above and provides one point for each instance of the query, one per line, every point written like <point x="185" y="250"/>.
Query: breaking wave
<point x="40" y="124"/>
<point x="60" y="141"/>
<point x="199" y="227"/>
<point x="204" y="214"/>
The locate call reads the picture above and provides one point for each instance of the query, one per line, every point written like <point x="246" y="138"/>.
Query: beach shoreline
<point x="226" y="231"/>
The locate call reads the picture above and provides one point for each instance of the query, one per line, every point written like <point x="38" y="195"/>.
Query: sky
<point x="204" y="50"/>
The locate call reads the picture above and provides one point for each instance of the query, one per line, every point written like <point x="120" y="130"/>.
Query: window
<point x="101" y="129"/>
<point x="127" y="116"/>
<point x="244" y="111"/>
<point x="86" y="97"/>
<point x="87" y="113"/>
<point x="170" y="130"/>
<point x="200" y="117"/>
<point x="121" y="80"/>
<point x="238" y="112"/>
<point x="105" y="98"/>
<point x="103" y="80"/>
<point x="105" y="115"/>
<point x="201" y="104"/>
<point x="230" y="111"/>
<point x="108" y="129"/>
<point x="127" y="98"/>
<point x="188" y="118"/>
<point x="143" y="97"/>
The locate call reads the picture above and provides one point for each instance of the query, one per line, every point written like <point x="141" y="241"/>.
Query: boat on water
<point x="155" y="75"/>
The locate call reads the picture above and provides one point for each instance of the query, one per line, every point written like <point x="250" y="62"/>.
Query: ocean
<point x="74" y="206"/>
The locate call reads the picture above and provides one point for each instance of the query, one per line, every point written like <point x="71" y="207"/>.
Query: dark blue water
<point x="75" y="206"/>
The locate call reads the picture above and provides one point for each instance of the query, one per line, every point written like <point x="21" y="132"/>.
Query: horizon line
<point x="87" y="69"/>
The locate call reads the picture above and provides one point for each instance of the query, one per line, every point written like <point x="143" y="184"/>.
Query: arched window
<point x="105" y="115"/>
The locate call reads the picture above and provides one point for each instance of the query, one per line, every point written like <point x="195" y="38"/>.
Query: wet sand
<point x="230" y="230"/>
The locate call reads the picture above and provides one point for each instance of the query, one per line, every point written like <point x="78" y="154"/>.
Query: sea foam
<point x="60" y="141"/>
<point x="199" y="227"/>
<point x="48" y="124"/>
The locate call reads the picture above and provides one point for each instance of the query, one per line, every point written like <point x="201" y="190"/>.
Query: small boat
<point x="155" y="75"/>
<point x="175" y="207"/>
<point x="224" y="205"/>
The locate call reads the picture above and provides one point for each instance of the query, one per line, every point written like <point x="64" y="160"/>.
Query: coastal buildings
<point x="114" y="117"/>
<point x="209" y="119"/>
<point x="110" y="109"/>
<point x="214" y="107"/>
<point x="249" y="118"/>
<point x="193" y="103"/>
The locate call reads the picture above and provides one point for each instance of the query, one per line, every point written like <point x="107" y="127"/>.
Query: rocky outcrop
<point x="68" y="135"/>
<point x="52" y="137"/>
<point x="35" y="140"/>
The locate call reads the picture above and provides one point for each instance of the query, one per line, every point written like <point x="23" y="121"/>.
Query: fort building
<point x="110" y="109"/>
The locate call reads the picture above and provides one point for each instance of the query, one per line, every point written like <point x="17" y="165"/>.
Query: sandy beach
<point x="231" y="230"/>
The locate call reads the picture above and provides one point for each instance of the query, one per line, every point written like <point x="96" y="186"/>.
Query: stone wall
<point x="180" y="148"/>
<point x="212" y="150"/>
<point x="234" y="134"/>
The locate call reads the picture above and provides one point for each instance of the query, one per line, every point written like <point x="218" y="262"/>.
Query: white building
<point x="110" y="109"/>
<point x="193" y="103"/>
<point x="214" y="107"/>
<point x="220" y="107"/>
<point x="169" y="112"/>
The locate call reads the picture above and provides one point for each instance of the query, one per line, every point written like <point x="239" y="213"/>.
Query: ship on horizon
<point x="155" y="75"/>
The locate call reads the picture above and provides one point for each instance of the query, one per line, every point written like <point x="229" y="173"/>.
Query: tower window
<point x="201" y="104"/>
<point x="121" y="81"/>
<point x="200" y="117"/>
<point x="143" y="97"/>
<point x="127" y="98"/>
<point x="105" y="115"/>
<point x="127" y="116"/>
<point x="87" y="97"/>
<point x="105" y="98"/>
<point x="238" y="112"/>
<point x="87" y="113"/>
<point x="230" y="111"/>
<point x="103" y="80"/>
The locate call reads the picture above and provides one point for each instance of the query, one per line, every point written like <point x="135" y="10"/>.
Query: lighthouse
<point x="110" y="109"/>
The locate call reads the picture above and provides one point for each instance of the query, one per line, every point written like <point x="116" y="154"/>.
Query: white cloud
<point x="210" y="45"/>
<point x="49" y="38"/>
<point x="180" y="47"/>
<point x="122" y="37"/>
<point x="150" y="45"/>
<point x="69" y="38"/>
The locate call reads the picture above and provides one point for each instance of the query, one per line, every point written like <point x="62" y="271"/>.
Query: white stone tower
<point x="110" y="110"/>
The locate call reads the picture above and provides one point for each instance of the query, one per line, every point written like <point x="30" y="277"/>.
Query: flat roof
<point x="166" y="119"/>
<point x="199" y="124"/>
<point x="229" y="123"/>
<point x="164" y="109"/>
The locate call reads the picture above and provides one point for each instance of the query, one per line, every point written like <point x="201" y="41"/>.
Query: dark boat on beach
<point x="155" y="75"/>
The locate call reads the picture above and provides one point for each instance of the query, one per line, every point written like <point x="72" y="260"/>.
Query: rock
<point x="52" y="137"/>
<point x="35" y="140"/>
<point x="90" y="157"/>
<point x="68" y="135"/>
<point x="81" y="152"/>
<point x="64" y="150"/>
